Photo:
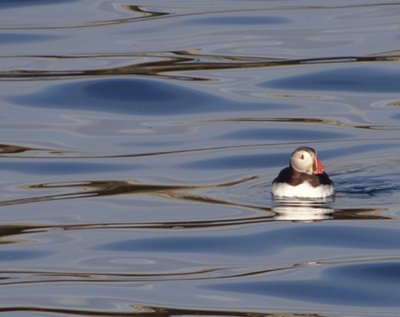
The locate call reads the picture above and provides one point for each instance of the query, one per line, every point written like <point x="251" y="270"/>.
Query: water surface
<point x="139" y="143"/>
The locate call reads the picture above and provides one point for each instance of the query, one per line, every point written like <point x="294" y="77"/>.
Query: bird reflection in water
<point x="303" y="210"/>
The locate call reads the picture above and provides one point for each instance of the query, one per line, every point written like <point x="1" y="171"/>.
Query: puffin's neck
<point x="297" y="174"/>
<point x="298" y="178"/>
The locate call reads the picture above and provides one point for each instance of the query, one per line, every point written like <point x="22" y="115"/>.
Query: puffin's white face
<point x="304" y="160"/>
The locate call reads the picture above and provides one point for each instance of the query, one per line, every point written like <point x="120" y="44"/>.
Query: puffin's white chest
<point x="304" y="190"/>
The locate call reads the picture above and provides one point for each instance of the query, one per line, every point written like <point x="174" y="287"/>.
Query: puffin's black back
<point x="294" y="178"/>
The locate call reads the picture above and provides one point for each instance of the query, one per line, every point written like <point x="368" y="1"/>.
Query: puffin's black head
<point x="304" y="160"/>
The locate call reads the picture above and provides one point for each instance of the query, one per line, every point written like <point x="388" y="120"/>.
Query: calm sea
<point x="138" y="142"/>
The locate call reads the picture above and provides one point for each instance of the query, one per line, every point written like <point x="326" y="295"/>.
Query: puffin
<point x="304" y="178"/>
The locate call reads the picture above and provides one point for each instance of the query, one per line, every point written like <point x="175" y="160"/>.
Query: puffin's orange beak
<point x="319" y="169"/>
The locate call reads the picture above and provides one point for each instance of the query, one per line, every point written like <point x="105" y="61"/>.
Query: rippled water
<point x="139" y="142"/>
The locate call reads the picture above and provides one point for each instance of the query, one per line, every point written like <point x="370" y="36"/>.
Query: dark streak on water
<point x="139" y="142"/>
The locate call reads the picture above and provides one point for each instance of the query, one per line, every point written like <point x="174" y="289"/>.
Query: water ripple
<point x="139" y="143"/>
<point x="167" y="63"/>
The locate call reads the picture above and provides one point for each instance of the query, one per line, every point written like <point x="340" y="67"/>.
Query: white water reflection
<point x="302" y="213"/>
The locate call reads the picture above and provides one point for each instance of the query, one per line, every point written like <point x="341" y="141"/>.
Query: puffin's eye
<point x="302" y="157"/>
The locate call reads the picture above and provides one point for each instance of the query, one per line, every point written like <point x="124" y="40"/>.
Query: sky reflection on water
<point x="139" y="143"/>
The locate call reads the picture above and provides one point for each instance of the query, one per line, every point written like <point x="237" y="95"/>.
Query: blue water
<point x="139" y="141"/>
